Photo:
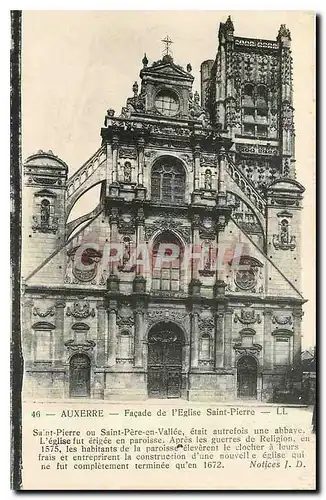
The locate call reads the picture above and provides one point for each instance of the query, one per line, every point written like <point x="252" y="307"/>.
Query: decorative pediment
<point x="80" y="327"/>
<point x="286" y="186"/>
<point x="45" y="193"/>
<point x="43" y="325"/>
<point x="282" y="332"/>
<point x="166" y="69"/>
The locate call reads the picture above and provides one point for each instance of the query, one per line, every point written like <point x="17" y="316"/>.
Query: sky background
<point x="77" y="64"/>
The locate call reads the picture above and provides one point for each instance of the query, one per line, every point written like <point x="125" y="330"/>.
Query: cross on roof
<point x="167" y="41"/>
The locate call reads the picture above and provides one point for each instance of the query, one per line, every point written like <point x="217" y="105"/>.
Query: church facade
<point x="184" y="281"/>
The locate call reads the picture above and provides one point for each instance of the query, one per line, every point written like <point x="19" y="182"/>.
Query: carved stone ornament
<point x="89" y="257"/>
<point x="164" y="315"/>
<point x="282" y="320"/>
<point x="208" y="161"/>
<point x="247" y="317"/>
<point x="124" y="361"/>
<point x="205" y="362"/>
<point x="126" y="224"/>
<point x="80" y="311"/>
<point x="251" y="351"/>
<point x="150" y="153"/>
<point x="246" y="279"/>
<point x="207" y="229"/>
<point x="125" y="321"/>
<point x="206" y="325"/>
<point x="45" y="181"/>
<point x="127" y="152"/>
<point x="85" y="346"/>
<point x="258" y="149"/>
<point x="41" y="226"/>
<point x="167" y="224"/>
<point x="283" y="240"/>
<point x="43" y="314"/>
<point x="166" y="337"/>
<point x="282" y="243"/>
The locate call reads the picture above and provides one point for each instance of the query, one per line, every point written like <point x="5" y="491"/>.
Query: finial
<point x="189" y="68"/>
<point x="284" y="32"/>
<point x="145" y="60"/>
<point x="229" y="24"/>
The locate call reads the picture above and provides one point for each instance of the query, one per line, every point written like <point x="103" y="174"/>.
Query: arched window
<point x="168" y="181"/>
<point x="261" y="97"/>
<point x="166" y="263"/>
<point x="205" y="347"/>
<point x="255" y="110"/>
<point x="248" y="93"/>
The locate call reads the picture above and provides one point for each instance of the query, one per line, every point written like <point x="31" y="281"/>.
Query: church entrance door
<point x="247" y="377"/>
<point x="79" y="383"/>
<point x="165" y="343"/>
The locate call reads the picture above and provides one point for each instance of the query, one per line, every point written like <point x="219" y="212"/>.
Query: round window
<point x="167" y="103"/>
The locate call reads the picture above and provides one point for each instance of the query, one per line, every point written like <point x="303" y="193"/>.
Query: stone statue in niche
<point x="45" y="212"/>
<point x="283" y="241"/>
<point x="127" y="171"/>
<point x="208" y="180"/>
<point x="126" y="250"/>
<point x="284" y="233"/>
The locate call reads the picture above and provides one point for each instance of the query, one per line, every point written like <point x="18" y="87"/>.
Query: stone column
<point x="114" y="218"/>
<point x="195" y="264"/>
<point x="140" y="234"/>
<point x="219" y="339"/>
<point x="140" y="175"/>
<point x="268" y="360"/>
<point x="112" y="333"/>
<point x="197" y="167"/>
<point x="139" y="335"/>
<point x="28" y="332"/>
<point x="194" y="342"/>
<point x="109" y="165"/>
<point x="101" y="340"/>
<point x="115" y="147"/>
<point x="59" y="347"/>
<point x="221" y="171"/>
<point x="228" y="339"/>
<point x="297" y="318"/>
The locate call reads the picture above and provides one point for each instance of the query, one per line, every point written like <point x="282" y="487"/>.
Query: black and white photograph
<point x="168" y="215"/>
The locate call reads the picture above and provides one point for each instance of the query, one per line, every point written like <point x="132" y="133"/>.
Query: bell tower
<point x="44" y="177"/>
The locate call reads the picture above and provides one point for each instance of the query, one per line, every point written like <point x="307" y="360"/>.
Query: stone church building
<point x="212" y="172"/>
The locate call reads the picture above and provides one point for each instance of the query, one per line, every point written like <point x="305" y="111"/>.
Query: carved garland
<point x="247" y="317"/>
<point x="43" y="314"/>
<point x="80" y="311"/>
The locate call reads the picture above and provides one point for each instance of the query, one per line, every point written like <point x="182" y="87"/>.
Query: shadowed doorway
<point x="79" y="377"/>
<point x="247" y="377"/>
<point x="165" y="341"/>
